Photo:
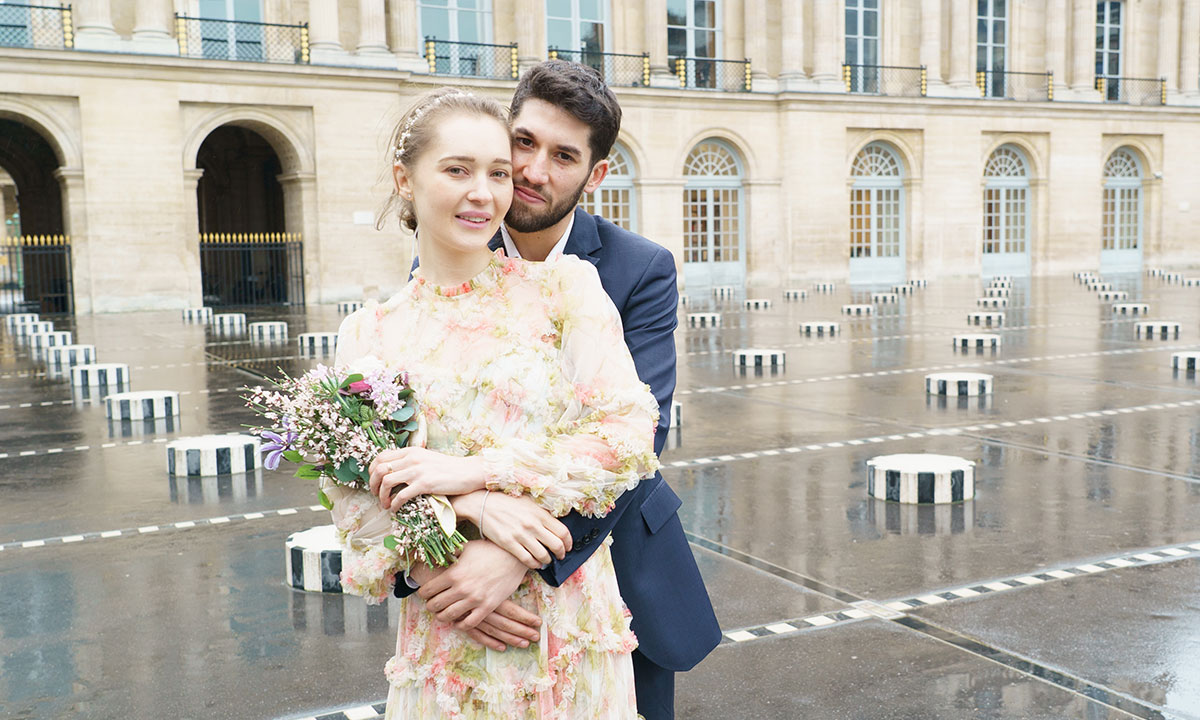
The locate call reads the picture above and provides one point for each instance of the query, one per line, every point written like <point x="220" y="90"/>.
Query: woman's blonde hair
<point x="415" y="131"/>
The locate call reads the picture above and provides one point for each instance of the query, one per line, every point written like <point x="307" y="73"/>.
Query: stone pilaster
<point x="407" y="43"/>
<point x="531" y="33"/>
<point x="931" y="44"/>
<point x="152" y="28"/>
<point x="324" y="44"/>
<point x="656" y="44"/>
<point x="1189" y="70"/>
<point x="1083" y="51"/>
<point x="962" y="50"/>
<point x="94" y="27"/>
<point x="827" y="55"/>
<point x="791" y="72"/>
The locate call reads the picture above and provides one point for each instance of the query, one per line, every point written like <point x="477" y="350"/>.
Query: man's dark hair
<point x="578" y="90"/>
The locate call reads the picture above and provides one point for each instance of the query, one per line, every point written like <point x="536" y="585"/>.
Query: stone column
<point x="1189" y="71"/>
<point x="656" y="44"/>
<point x="152" y="28"/>
<point x="94" y="28"/>
<point x="756" y="46"/>
<point x="407" y="44"/>
<point x="827" y="55"/>
<point x="1168" y="44"/>
<point x="324" y="44"/>
<point x="931" y="42"/>
<point x="962" y="49"/>
<point x="791" y="72"/>
<point x="74" y="204"/>
<point x="1083" y="49"/>
<point x="372" y="46"/>
<point x="531" y="33"/>
<point x="1055" y="23"/>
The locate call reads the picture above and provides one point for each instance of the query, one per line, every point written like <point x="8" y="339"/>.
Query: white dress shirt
<point x="510" y="247"/>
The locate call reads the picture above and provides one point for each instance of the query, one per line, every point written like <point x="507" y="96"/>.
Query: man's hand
<point x="472" y="589"/>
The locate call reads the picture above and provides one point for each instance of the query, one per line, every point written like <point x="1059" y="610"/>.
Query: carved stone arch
<point x="736" y="143"/>
<point x="61" y="139"/>
<point x="634" y="153"/>
<point x="1146" y="155"/>
<point x="904" y="151"/>
<point x="1033" y="160"/>
<point x="295" y="155"/>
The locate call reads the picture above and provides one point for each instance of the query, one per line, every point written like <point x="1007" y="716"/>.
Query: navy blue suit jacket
<point x="656" y="571"/>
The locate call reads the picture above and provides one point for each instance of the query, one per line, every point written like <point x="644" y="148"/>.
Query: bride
<point x="532" y="406"/>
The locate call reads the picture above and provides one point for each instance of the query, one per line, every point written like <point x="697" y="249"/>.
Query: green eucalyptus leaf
<point x="350" y="379"/>
<point x="404" y="413"/>
<point x="293" y="456"/>
<point x="401" y="439"/>
<point x="390" y="542"/>
<point x="324" y="499"/>
<point x="349" y="472"/>
<point x="307" y="472"/>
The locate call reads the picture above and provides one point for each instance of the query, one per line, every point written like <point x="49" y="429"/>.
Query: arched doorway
<point x="877" y="217"/>
<point x="713" y="231"/>
<point x="1121" y="237"/>
<point x="614" y="200"/>
<point x="35" y="254"/>
<point x="246" y="255"/>
<point x="1006" y="213"/>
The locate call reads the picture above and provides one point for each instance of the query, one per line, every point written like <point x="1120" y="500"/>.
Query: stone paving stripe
<point x="819" y="620"/>
<point x="1148" y="557"/>
<point x="1120" y="562"/>
<point x="1176" y="552"/>
<point x="965" y="592"/>
<point x="780" y="628"/>
<point x="1090" y="568"/>
<point x="740" y="635"/>
<point x="932" y="599"/>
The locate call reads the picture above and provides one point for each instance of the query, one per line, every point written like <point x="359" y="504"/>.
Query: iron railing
<point x="885" y="80"/>
<point x="617" y="69"/>
<point x="471" y="59"/>
<point x="1133" y="91"/>
<point x="241" y="40"/>
<point x="710" y="74"/>
<point x="240" y="269"/>
<point x="34" y="26"/>
<point x="1024" y="86"/>
<point x="35" y="274"/>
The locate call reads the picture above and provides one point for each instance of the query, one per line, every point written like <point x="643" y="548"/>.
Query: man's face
<point x="551" y="166"/>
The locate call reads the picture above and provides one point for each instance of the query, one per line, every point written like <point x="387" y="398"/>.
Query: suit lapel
<point x="497" y="242"/>
<point x="584" y="241"/>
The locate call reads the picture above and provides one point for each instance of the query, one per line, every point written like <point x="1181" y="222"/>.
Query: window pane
<point x="871" y="24"/>
<point x="677" y="43"/>
<point x="999" y="10"/>
<point x="851" y="22"/>
<point x="558" y="8"/>
<point x="706" y="44"/>
<point x="998" y="59"/>
<point x="248" y="10"/>
<point x="592" y="36"/>
<point x="435" y="23"/>
<point x="1114" y="13"/>
<point x="706" y="13"/>
<point x="213" y="9"/>
<point x="591" y="10"/>
<point x="677" y="12"/>
<point x="998" y="32"/>
<point x="981" y="8"/>
<point x="469" y="29"/>
<point x="558" y="34"/>
<point x="851" y="51"/>
<point x="438" y="3"/>
<point x="870" y="52"/>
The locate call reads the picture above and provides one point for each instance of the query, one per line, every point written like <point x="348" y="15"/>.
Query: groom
<point x="565" y="121"/>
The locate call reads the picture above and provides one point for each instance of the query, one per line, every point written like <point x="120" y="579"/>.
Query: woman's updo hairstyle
<point x="415" y="131"/>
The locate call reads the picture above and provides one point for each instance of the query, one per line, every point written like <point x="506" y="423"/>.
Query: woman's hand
<point x="398" y="476"/>
<point x="517" y="524"/>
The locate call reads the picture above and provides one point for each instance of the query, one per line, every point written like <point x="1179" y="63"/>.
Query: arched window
<point x="1122" y="201"/>
<point x="1006" y="203"/>
<point x="712" y="214"/>
<point x="614" y="199"/>
<point x="877" y="205"/>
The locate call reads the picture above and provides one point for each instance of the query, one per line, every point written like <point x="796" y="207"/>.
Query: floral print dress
<point x="526" y="366"/>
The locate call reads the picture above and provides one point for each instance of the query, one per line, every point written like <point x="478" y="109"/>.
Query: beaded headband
<point x="412" y="120"/>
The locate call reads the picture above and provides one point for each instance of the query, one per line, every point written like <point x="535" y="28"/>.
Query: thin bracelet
<point x="482" y="508"/>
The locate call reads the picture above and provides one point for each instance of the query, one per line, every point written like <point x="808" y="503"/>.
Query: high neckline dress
<point x="526" y="366"/>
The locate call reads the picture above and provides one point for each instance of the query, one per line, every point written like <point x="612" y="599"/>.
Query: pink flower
<point x="361" y="386"/>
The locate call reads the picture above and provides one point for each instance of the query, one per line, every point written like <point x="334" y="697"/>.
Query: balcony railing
<point x="618" y="70"/>
<point x="710" y="74"/>
<point x="1133" y="91"/>
<point x="471" y="59"/>
<point x="885" y="80"/>
<point x="1023" y="86"/>
<point x="34" y="26"/>
<point x="241" y="40"/>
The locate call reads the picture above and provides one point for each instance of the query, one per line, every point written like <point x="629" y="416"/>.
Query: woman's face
<point x="461" y="185"/>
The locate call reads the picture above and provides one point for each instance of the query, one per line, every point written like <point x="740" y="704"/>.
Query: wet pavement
<point x="1069" y="587"/>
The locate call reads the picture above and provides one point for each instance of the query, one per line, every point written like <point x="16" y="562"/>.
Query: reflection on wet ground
<point x="1068" y="587"/>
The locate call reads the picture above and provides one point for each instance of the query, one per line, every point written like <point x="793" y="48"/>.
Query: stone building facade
<point x="860" y="142"/>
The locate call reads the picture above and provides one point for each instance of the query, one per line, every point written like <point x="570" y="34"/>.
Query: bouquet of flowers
<point x="343" y="417"/>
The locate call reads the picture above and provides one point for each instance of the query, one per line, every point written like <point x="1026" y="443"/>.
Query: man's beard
<point x="526" y="220"/>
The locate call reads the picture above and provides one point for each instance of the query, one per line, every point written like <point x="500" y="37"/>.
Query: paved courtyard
<point x="1069" y="587"/>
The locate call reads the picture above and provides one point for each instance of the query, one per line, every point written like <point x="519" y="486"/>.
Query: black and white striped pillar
<point x="1187" y="361"/>
<point x="756" y="304"/>
<point x="271" y="331"/>
<point x="704" y="320"/>
<point x="96" y="375"/>
<point x="66" y="356"/>
<point x="313" y="560"/>
<point x="919" y="283"/>
<point x="1172" y="277"/>
<point x="1130" y="308"/>
<point x="958" y="384"/>
<point x="885" y="298"/>
<point x="757" y="357"/>
<point x="795" y="294"/>
<point x="212" y="455"/>
<point x="824" y="287"/>
<point x="1161" y="329"/>
<point x="723" y="292"/>
<point x="683" y="301"/>
<point x="27" y="331"/>
<point x="1100" y="287"/>
<point x="51" y="339"/>
<point x="1112" y="295"/>
<point x="348" y="306"/>
<point x="903" y="289"/>
<point x="820" y="327"/>
<point x="996" y="302"/>
<point x="997" y="292"/>
<point x="318" y="343"/>
<point x="1001" y="281"/>
<point x="676" y="414"/>
<point x="977" y="341"/>
<point x="1083" y="275"/>
<point x="920" y="478"/>
<point x="1191" y="282"/>
<point x="229" y="323"/>
<point x="142" y="405"/>
<point x="215" y="489"/>
<point x="13" y="320"/>
<point x="858" y="309"/>
<point x="197" y="314"/>
<point x="989" y="319"/>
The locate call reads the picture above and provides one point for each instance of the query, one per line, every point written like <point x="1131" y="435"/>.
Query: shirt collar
<point x="510" y="247"/>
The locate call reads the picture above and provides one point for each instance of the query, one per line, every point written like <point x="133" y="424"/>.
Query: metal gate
<point x="240" y="269"/>
<point x="35" y="275"/>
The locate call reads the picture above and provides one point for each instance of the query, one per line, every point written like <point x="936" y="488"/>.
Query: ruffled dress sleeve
<point x="602" y="445"/>
<point x="356" y="335"/>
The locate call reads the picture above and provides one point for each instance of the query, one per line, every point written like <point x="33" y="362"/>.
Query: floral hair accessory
<point x="406" y="133"/>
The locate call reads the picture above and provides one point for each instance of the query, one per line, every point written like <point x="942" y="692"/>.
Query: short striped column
<point x="1154" y="272"/>
<point x="1099" y="286"/>
<point x="755" y="357"/>
<point x="676" y="414"/>
<point x="318" y="343"/>
<point x="989" y="302"/>
<point x="756" y="304"/>
<point x="903" y="289"/>
<point x="997" y="292"/>
<point x="1088" y="274"/>
<point x="37" y="327"/>
<point x="977" y="341"/>
<point x="683" y="301"/>
<point x="989" y="319"/>
<point x="142" y="405"/>
<point x="1191" y="282"/>
<point x="958" y="384"/>
<point x="1112" y="295"/>
<point x="212" y="455"/>
<point x="1187" y="361"/>
<point x="1001" y="281"/>
<point x="724" y="292"/>
<point x="885" y="298"/>
<point x="51" y="339"/>
<point x="1161" y="329"/>
<point x="215" y="489"/>
<point x="228" y="323"/>
<point x="96" y="375"/>
<point x="858" y="309"/>
<point x="920" y="478"/>
<point x="795" y="294"/>
<point x="704" y="320"/>
<point x="919" y="283"/>
<point x="824" y="287"/>
<point x="65" y="356"/>
<point x="1130" y="308"/>
<point x="313" y="560"/>
<point x="269" y="331"/>
<point x="820" y="327"/>
<point x="1172" y="277"/>
<point x="197" y="314"/>
<point x="13" y="320"/>
<point x="931" y="520"/>
<point x="348" y="306"/>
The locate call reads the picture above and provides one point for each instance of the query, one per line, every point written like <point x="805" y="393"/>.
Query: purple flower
<point x="274" y="450"/>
